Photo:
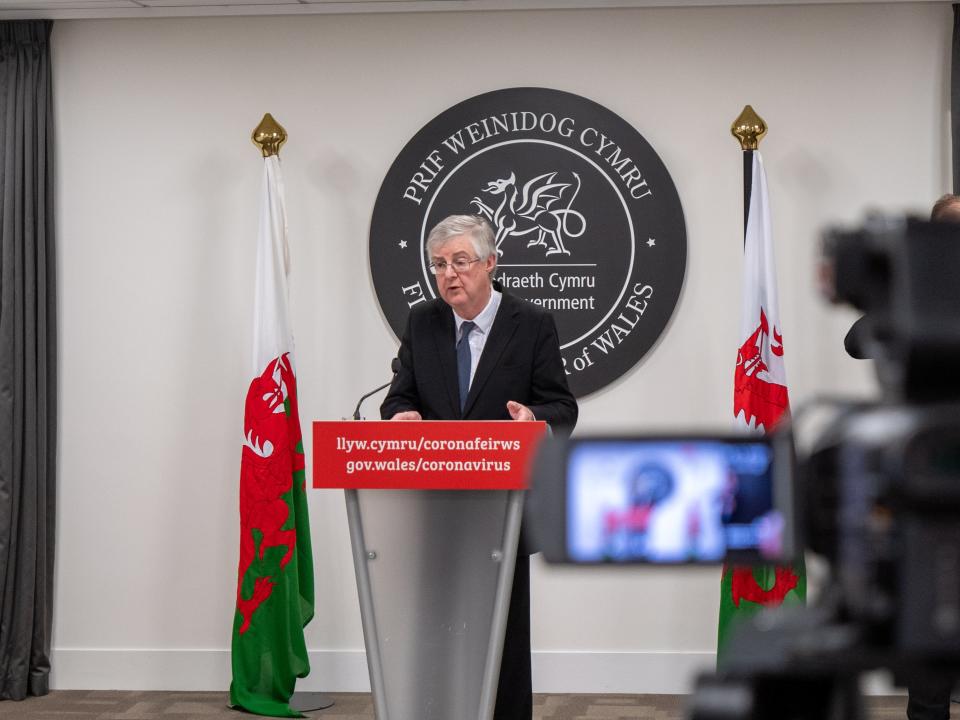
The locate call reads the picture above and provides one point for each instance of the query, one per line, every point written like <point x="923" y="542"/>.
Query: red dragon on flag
<point x="755" y="394"/>
<point x="271" y="437"/>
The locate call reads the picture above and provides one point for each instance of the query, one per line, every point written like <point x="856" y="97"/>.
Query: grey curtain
<point x="28" y="334"/>
<point x="955" y="98"/>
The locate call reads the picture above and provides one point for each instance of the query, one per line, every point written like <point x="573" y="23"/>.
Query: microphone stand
<point x="356" y="411"/>
<point x="395" y="367"/>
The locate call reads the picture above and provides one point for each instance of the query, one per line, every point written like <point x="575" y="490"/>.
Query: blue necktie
<point x="463" y="361"/>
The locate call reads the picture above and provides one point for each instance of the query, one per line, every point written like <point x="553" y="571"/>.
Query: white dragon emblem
<point x="530" y="210"/>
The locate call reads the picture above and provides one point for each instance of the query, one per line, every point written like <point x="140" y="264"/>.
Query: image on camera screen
<point x="669" y="501"/>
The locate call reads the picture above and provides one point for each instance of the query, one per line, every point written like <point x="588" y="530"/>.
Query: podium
<point x="434" y="510"/>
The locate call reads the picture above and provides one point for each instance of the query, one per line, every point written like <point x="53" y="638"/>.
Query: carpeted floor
<point x="118" y="705"/>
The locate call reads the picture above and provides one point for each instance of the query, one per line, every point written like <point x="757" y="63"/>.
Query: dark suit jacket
<point x="520" y="361"/>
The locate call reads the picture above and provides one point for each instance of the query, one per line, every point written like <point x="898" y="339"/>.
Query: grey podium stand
<point x="434" y="572"/>
<point x="434" y="548"/>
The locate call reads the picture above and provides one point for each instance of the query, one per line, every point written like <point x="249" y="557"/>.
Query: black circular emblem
<point x="587" y="219"/>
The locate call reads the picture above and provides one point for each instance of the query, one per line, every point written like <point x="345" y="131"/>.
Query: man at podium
<point x="477" y="353"/>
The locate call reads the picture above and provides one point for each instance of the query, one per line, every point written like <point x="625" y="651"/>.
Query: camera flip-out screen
<point x="666" y="500"/>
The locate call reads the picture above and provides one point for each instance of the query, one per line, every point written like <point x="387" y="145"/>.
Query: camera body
<point x="878" y="495"/>
<point x="902" y="273"/>
<point x="882" y="486"/>
<point x="882" y="491"/>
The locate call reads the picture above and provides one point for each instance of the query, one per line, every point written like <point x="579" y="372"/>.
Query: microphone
<point x="395" y="368"/>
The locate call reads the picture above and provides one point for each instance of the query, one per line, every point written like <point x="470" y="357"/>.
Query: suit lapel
<point x="505" y="324"/>
<point x="443" y="335"/>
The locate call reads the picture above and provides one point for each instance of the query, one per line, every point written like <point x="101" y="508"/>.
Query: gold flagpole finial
<point x="269" y="135"/>
<point x="749" y="128"/>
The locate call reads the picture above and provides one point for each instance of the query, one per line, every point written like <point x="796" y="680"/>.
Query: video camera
<point x="877" y="495"/>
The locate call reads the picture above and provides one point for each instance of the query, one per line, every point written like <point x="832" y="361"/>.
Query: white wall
<point x="157" y="202"/>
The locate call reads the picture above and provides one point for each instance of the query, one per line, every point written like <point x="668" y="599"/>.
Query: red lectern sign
<point x="431" y="455"/>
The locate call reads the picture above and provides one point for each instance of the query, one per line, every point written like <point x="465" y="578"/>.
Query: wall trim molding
<point x="346" y="670"/>
<point x="554" y="671"/>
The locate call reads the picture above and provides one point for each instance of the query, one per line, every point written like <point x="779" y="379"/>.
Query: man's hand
<point x="519" y="412"/>
<point x="407" y="415"/>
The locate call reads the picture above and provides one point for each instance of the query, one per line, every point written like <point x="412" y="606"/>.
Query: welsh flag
<point x="275" y="580"/>
<point x="759" y="400"/>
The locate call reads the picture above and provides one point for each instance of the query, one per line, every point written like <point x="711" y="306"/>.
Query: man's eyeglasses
<point x="460" y="265"/>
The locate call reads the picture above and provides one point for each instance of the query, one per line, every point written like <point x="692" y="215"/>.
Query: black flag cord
<point x="955" y="99"/>
<point x="749" y="128"/>
<point x="747" y="189"/>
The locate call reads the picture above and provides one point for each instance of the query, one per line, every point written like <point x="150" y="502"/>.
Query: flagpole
<point x="269" y="136"/>
<point x="749" y="128"/>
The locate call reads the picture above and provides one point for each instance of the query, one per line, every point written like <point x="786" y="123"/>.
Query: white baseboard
<point x="346" y="670"/>
<point x="149" y="669"/>
<point x="668" y="673"/>
<point x="138" y="669"/>
<point x="659" y="673"/>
